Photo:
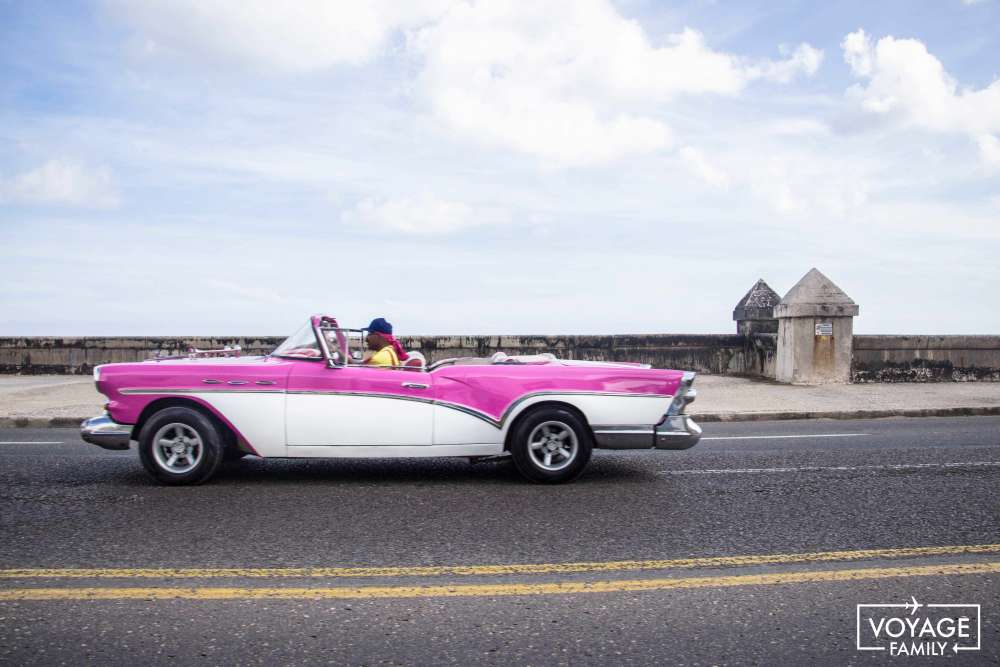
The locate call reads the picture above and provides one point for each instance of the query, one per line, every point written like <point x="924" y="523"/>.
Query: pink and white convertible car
<point x="311" y="399"/>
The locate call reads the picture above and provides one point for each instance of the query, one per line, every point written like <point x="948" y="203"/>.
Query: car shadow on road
<point x="412" y="471"/>
<point x="125" y="472"/>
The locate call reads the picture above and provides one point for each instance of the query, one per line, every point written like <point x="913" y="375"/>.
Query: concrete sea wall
<point x="717" y="354"/>
<point x="875" y="358"/>
<point x="926" y="359"/>
<point x="37" y="355"/>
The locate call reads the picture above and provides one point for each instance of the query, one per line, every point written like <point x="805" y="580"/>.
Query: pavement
<point x="754" y="547"/>
<point x="66" y="400"/>
<point x="35" y="400"/>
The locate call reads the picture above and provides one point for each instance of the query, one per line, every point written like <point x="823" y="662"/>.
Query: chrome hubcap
<point x="553" y="445"/>
<point x="177" y="448"/>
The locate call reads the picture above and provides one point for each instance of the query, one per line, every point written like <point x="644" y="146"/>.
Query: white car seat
<point x="415" y="361"/>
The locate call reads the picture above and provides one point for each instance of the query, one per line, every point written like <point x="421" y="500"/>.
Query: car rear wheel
<point x="180" y="446"/>
<point x="551" y="445"/>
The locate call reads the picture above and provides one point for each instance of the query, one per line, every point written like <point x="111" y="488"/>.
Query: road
<point x="753" y="547"/>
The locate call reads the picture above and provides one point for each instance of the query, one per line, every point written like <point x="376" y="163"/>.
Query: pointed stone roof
<point x="758" y="303"/>
<point x="816" y="295"/>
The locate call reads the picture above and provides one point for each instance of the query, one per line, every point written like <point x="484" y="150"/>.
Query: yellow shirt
<point x="384" y="357"/>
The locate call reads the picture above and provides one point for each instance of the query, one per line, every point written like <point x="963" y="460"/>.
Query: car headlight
<point x="97" y="374"/>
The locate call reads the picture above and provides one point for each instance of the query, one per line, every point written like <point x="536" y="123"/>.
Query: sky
<point x="228" y="167"/>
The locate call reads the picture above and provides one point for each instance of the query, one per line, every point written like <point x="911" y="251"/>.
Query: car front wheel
<point x="551" y="445"/>
<point x="180" y="446"/>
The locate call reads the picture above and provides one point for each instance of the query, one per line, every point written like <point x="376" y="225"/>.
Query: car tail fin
<point x="684" y="395"/>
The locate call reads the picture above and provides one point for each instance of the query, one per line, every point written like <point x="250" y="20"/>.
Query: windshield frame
<point x="321" y="325"/>
<point x="343" y="343"/>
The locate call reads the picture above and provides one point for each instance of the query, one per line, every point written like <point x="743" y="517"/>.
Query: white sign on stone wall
<point x="824" y="328"/>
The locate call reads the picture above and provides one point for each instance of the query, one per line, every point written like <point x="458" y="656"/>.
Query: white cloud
<point x="907" y="84"/>
<point x="303" y="36"/>
<point x="572" y="83"/>
<point x="797" y="127"/>
<point x="569" y="83"/>
<point x="65" y="183"/>
<point x="255" y="294"/>
<point x="703" y="168"/>
<point x="803" y="183"/>
<point x="858" y="52"/>
<point x="804" y="60"/>
<point x="989" y="148"/>
<point x="421" y="215"/>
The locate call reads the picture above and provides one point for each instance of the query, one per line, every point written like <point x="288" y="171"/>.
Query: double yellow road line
<point x="489" y="590"/>
<point x="496" y="589"/>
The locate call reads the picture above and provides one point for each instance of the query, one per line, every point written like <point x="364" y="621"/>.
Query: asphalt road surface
<point x="755" y="547"/>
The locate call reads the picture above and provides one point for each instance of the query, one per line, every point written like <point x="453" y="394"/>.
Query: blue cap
<point x="379" y="325"/>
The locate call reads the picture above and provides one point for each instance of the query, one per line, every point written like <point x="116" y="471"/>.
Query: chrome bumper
<point x="678" y="432"/>
<point x="675" y="431"/>
<point x="624" y="437"/>
<point x="104" y="432"/>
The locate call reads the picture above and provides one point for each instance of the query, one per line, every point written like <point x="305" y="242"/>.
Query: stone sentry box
<point x="815" y="332"/>
<point x="754" y="314"/>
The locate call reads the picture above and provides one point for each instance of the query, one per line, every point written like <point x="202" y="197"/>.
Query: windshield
<point x="300" y="345"/>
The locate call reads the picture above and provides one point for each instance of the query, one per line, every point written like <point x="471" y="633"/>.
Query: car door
<point x="356" y="406"/>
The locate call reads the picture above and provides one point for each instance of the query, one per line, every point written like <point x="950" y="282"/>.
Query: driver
<point x="383" y="348"/>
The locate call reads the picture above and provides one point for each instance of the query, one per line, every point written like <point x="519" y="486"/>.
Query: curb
<point x="41" y="422"/>
<point x="979" y="411"/>
<point x="704" y="417"/>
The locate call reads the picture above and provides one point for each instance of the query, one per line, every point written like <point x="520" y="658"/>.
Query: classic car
<point x="312" y="398"/>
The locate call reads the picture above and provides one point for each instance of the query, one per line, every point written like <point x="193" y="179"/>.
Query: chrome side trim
<point x="366" y="394"/>
<point x="166" y="391"/>
<point x="104" y="432"/>
<point x="472" y="412"/>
